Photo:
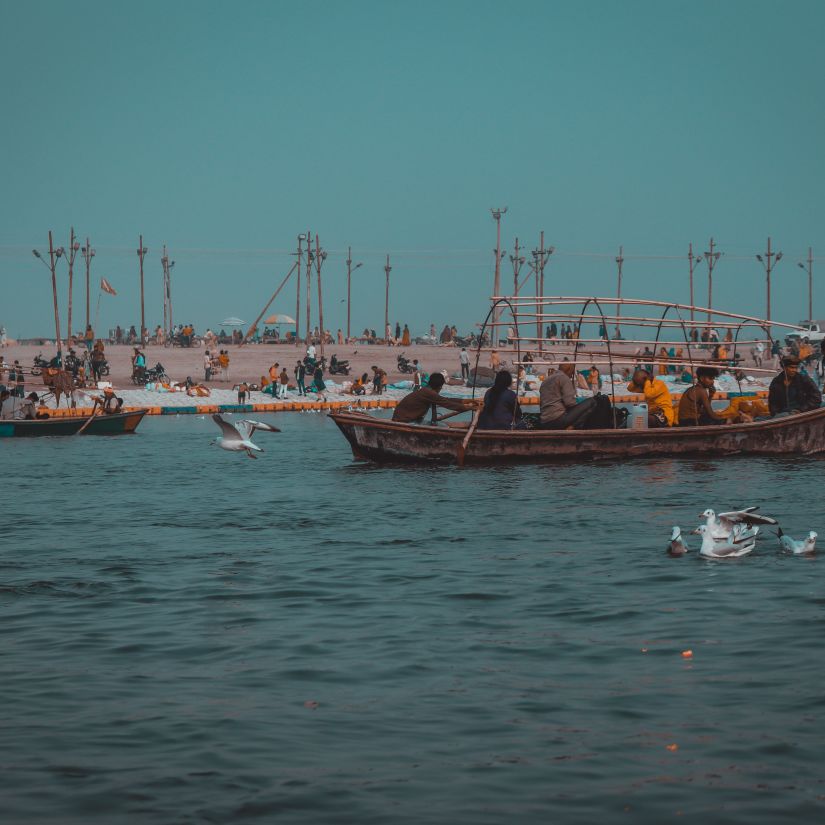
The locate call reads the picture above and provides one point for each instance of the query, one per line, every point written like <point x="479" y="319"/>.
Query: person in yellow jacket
<point x="657" y="396"/>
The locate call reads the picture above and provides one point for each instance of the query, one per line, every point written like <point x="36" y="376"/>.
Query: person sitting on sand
<point x="359" y="385"/>
<point x="413" y="407"/>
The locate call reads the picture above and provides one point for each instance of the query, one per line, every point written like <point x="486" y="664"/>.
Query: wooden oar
<point x="451" y="414"/>
<point x="463" y="446"/>
<point x="89" y="421"/>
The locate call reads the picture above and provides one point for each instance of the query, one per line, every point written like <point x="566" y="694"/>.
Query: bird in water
<point x="798" y="548"/>
<point x="677" y="545"/>
<point x="715" y="549"/>
<point x="237" y="437"/>
<point x="721" y="526"/>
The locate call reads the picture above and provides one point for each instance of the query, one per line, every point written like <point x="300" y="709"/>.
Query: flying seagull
<point x="677" y="546"/>
<point x="721" y="526"/>
<point x="798" y="548"/>
<point x="237" y="437"/>
<point x="713" y="549"/>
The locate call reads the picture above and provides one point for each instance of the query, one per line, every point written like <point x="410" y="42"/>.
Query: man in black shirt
<point x="791" y="392"/>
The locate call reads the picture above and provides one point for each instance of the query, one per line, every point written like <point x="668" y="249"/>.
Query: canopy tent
<point x="279" y="319"/>
<point x="233" y="322"/>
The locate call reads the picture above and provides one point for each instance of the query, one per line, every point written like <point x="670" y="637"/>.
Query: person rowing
<point x="413" y="407"/>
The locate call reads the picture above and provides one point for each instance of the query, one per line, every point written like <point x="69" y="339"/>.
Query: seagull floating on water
<point x="798" y="548"/>
<point x="714" y="549"/>
<point x="721" y="526"/>
<point x="677" y="546"/>
<point x="236" y="437"/>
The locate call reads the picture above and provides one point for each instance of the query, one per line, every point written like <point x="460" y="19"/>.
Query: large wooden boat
<point x="114" y="424"/>
<point x="383" y="440"/>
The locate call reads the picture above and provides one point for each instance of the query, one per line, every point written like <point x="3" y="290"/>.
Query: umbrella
<point x="279" y="319"/>
<point x="233" y="322"/>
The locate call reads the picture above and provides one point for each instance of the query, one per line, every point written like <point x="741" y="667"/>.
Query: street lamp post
<point x="320" y="257"/>
<point x="692" y="261"/>
<point x="711" y="257"/>
<point x="810" y="269"/>
<point x="770" y="260"/>
<point x="141" y="252"/>
<point x="497" y="213"/>
<point x="54" y="254"/>
<point x="518" y="262"/>
<point x="74" y="246"/>
<point x="88" y="253"/>
<point x="299" y="260"/>
<point x="167" y="292"/>
<point x="349" y="281"/>
<point x="387" y="270"/>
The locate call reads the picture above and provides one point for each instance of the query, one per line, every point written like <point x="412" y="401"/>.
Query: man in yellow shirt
<point x="657" y="396"/>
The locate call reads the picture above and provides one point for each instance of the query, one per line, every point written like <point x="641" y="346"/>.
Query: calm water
<point x="172" y="613"/>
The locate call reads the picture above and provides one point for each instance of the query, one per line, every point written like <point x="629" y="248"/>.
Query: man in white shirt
<point x="464" y="360"/>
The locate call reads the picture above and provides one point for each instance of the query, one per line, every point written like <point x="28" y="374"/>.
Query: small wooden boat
<point x="383" y="440"/>
<point x="113" y="424"/>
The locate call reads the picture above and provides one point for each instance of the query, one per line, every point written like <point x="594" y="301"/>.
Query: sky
<point x="224" y="130"/>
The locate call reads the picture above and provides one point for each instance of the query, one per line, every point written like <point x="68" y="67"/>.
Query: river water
<point x="190" y="636"/>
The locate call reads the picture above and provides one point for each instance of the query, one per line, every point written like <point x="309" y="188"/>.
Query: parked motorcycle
<point x="404" y="364"/>
<point x="41" y="364"/>
<point x="156" y="374"/>
<point x="337" y="367"/>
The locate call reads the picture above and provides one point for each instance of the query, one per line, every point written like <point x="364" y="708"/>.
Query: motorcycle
<point x="311" y="363"/>
<point x="404" y="364"/>
<point x="156" y="374"/>
<point x="337" y="367"/>
<point x="40" y="364"/>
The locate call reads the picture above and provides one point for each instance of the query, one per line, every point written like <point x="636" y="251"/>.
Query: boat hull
<point x="115" y="424"/>
<point x="385" y="441"/>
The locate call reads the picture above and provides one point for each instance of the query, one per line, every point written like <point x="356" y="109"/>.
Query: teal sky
<point x="225" y="129"/>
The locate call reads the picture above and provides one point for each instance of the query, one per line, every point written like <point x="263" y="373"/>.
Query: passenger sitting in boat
<point x="110" y="402"/>
<point x="413" y="407"/>
<point x="7" y="405"/>
<point x="657" y="396"/>
<point x="557" y="397"/>
<point x="791" y="392"/>
<point x="501" y="409"/>
<point x="28" y="407"/>
<point x="695" y="409"/>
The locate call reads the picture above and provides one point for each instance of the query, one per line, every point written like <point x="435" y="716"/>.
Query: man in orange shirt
<point x="659" y="403"/>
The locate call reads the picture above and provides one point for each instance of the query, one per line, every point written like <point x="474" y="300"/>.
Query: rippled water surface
<point x="191" y="636"/>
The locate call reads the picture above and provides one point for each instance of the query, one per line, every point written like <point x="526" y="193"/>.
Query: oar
<point x="451" y="414"/>
<point x="463" y="446"/>
<point x="89" y="421"/>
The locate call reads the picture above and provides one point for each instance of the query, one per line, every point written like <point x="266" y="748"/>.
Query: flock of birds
<point x="733" y="535"/>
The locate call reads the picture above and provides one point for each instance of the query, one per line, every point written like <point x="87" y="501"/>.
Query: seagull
<point x="712" y="549"/>
<point x="236" y="437"/>
<point x="677" y="546"/>
<point x="798" y="548"/>
<point x="721" y="526"/>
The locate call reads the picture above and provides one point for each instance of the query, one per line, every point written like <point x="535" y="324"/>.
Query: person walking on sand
<point x="464" y="360"/>
<point x="300" y="377"/>
<point x="284" y="380"/>
<point x="243" y="389"/>
<point x="495" y="361"/>
<point x="207" y="366"/>
<point x="224" y="359"/>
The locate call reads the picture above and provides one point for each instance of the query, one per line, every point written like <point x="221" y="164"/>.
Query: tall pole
<point x="309" y="285"/>
<point x="74" y="246"/>
<point x="711" y="257"/>
<point x="142" y="250"/>
<point x="692" y="261"/>
<point x="770" y="260"/>
<point x="163" y="260"/>
<point x="810" y="282"/>
<point x="518" y="262"/>
<point x="53" y="255"/>
<point x="619" y="265"/>
<point x="299" y="260"/>
<point x="88" y="253"/>
<point x="387" y="270"/>
<point x="497" y="213"/>
<point x="320" y="257"/>
<point x="349" y="289"/>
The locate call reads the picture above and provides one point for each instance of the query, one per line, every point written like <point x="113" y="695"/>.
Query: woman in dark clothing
<point x="501" y="409"/>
